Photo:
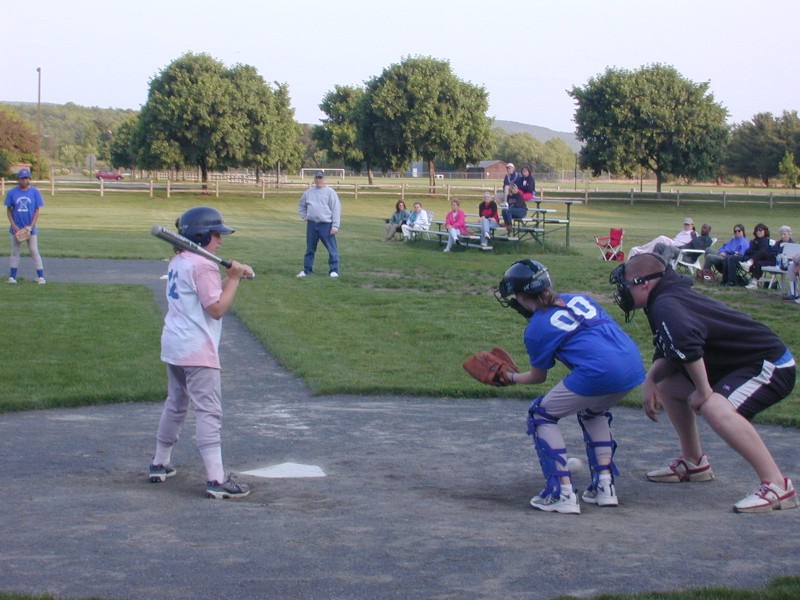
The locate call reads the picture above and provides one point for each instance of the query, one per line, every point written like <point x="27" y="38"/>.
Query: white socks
<point x="212" y="458"/>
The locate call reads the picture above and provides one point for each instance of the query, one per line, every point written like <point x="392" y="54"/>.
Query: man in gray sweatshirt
<point x="320" y="208"/>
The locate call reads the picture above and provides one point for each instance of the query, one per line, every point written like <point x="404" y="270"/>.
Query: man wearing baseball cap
<point x="22" y="209"/>
<point x="683" y="238"/>
<point x="321" y="209"/>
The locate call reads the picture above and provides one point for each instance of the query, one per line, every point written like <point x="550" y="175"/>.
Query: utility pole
<point x="39" y="124"/>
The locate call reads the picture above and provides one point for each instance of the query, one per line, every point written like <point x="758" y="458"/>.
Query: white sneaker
<point x="753" y="285"/>
<point x="768" y="497"/>
<point x="334" y="274"/>
<point x="681" y="469"/>
<point x="565" y="504"/>
<point x="40" y="280"/>
<point x="446" y="250"/>
<point x="603" y="495"/>
<point x="11" y="280"/>
<point x="301" y="274"/>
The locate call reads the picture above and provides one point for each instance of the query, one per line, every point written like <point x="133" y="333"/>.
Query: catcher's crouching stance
<point x="605" y="366"/>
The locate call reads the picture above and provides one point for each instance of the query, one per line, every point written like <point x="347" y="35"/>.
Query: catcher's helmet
<point x="197" y="223"/>
<point x="527" y="276"/>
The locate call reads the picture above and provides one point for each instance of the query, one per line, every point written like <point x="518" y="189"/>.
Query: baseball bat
<point x="181" y="242"/>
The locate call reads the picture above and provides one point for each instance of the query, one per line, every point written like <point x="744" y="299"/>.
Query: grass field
<point x="400" y="320"/>
<point x="402" y="317"/>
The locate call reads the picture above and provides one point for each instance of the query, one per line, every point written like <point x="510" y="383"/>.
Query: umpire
<point x="713" y="361"/>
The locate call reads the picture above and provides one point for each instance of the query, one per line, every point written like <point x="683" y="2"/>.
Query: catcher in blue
<point x="605" y="365"/>
<point x="713" y="361"/>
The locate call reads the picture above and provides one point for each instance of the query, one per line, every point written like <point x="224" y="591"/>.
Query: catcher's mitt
<point x="23" y="234"/>
<point x="491" y="367"/>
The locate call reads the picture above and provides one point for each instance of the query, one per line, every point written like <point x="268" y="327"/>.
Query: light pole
<point x="39" y="124"/>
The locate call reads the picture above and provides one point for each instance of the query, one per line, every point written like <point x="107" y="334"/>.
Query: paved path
<point x="423" y="498"/>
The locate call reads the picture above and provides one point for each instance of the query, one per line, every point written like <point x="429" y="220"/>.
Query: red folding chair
<point x="611" y="245"/>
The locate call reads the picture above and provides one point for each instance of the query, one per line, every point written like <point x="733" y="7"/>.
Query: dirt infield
<point x="422" y="498"/>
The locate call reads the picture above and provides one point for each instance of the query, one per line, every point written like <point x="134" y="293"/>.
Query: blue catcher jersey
<point x="602" y="358"/>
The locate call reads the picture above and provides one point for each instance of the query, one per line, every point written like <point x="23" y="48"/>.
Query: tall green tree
<point x="788" y="171"/>
<point x="272" y="132"/>
<point x="419" y="109"/>
<point x="121" y="150"/>
<point x="338" y="133"/>
<point x="755" y="149"/>
<point x="191" y="117"/>
<point x="652" y="118"/>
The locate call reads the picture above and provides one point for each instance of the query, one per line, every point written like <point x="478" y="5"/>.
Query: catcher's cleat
<point x="605" y="494"/>
<point x="564" y="503"/>
<point x="11" y="280"/>
<point x="227" y="489"/>
<point x="40" y="280"/>
<point x="680" y="470"/>
<point x="159" y="473"/>
<point x="768" y="497"/>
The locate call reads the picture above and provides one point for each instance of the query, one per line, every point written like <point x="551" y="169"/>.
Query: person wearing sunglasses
<point x="736" y="246"/>
<point x="759" y="246"/>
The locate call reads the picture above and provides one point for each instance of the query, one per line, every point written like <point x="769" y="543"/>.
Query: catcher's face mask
<point x="623" y="296"/>
<point x="512" y="302"/>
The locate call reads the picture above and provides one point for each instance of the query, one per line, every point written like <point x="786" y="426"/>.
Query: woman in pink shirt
<point x="455" y="223"/>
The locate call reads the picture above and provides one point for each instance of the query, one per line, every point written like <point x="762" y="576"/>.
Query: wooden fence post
<point x="724" y="199"/>
<point x="770" y="201"/>
<point x="448" y="193"/>
<point x="586" y="195"/>
<point x="403" y="192"/>
<point x="102" y="187"/>
<point x="52" y="184"/>
<point x="217" y="188"/>
<point x="263" y="189"/>
<point x="355" y="191"/>
<point x="631" y="196"/>
<point x="151" y="188"/>
<point x="168" y="189"/>
<point x="678" y="198"/>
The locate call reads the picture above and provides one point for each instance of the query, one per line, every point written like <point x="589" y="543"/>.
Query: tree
<point x="18" y="141"/>
<point x="121" y="150"/>
<point x="420" y="109"/>
<point x="191" y="117"/>
<point x="651" y="118"/>
<point x="755" y="148"/>
<point x="272" y="132"/>
<point x="789" y="171"/>
<point x="338" y="134"/>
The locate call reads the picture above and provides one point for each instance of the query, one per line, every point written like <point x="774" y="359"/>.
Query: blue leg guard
<point x="591" y="447"/>
<point x="552" y="460"/>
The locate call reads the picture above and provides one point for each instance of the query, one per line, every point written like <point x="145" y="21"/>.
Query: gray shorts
<point x="560" y="402"/>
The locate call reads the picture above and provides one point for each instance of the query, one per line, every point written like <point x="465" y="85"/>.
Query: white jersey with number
<point x="190" y="337"/>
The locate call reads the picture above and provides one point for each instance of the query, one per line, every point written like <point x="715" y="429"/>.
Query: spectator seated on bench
<point x="397" y="220"/>
<point x="418" y="220"/>
<point x="455" y="223"/>
<point x="517" y="209"/>
<point x="487" y="210"/>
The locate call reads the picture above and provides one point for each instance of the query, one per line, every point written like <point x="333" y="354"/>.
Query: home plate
<point x="287" y="470"/>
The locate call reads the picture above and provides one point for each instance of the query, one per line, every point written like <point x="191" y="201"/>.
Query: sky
<point x="527" y="54"/>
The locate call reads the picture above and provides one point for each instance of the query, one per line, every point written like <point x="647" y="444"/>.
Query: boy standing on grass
<point x="701" y="367"/>
<point x="22" y="209"/>
<point x="197" y="299"/>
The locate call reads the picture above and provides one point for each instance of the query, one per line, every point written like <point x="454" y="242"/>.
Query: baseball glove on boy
<point x="23" y="234"/>
<point x="491" y="367"/>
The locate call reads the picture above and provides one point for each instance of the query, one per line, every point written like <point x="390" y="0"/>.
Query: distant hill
<point x="540" y="133"/>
